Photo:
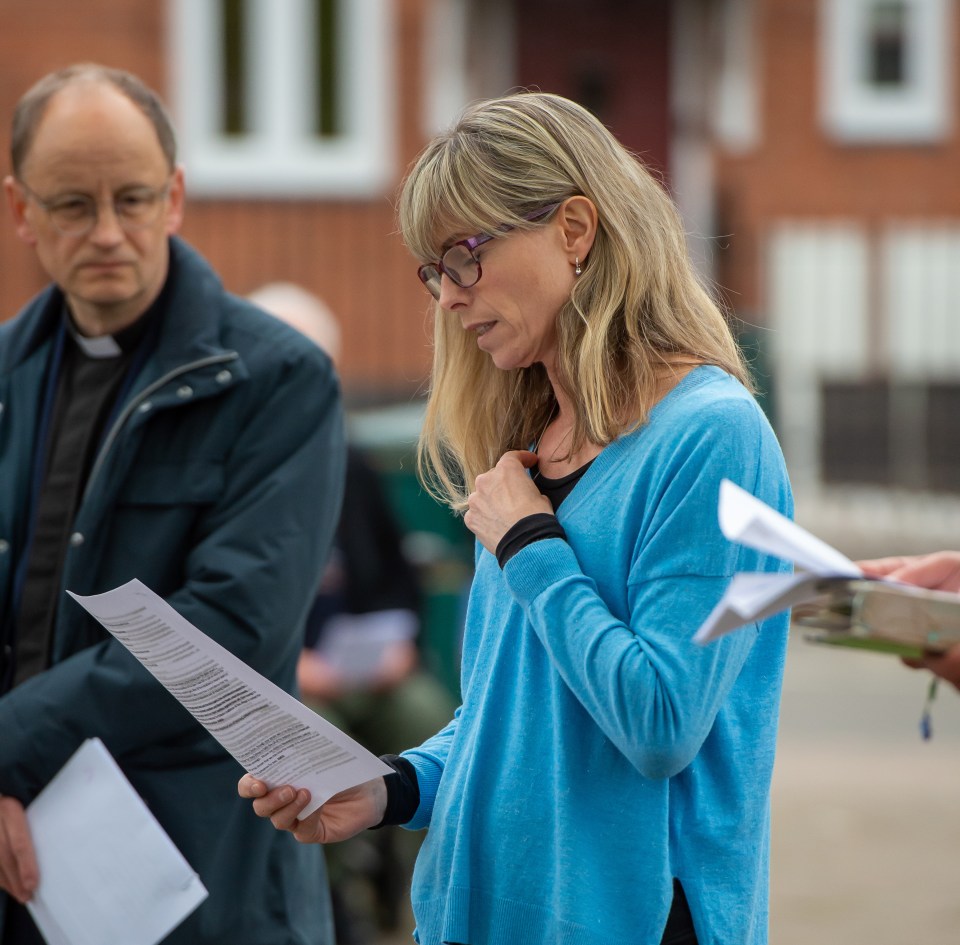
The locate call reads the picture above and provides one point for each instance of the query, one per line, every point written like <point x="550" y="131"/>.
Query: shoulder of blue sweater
<point x="705" y="397"/>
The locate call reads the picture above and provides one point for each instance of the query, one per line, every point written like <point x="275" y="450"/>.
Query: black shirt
<point x="91" y="373"/>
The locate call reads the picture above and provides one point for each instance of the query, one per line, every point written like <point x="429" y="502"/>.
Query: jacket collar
<point x="192" y="318"/>
<point x="192" y="322"/>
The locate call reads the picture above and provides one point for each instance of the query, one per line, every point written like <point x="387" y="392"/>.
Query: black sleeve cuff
<point x="403" y="792"/>
<point x="529" y="529"/>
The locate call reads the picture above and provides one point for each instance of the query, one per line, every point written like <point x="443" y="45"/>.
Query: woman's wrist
<point x="529" y="529"/>
<point x="402" y="792"/>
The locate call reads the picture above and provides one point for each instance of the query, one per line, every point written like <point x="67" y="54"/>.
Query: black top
<point x="540" y="525"/>
<point x="91" y="374"/>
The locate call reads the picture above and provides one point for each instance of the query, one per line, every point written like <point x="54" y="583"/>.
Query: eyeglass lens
<point x="78" y="214"/>
<point x="458" y="264"/>
<point x="430" y="277"/>
<point x="461" y="265"/>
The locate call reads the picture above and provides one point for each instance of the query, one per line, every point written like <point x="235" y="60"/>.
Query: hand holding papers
<point x="108" y="872"/>
<point x="271" y="734"/>
<point x="831" y="594"/>
<point x="356" y="646"/>
<point x="882" y="616"/>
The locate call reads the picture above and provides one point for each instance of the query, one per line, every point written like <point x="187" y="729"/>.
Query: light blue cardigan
<point x="598" y="752"/>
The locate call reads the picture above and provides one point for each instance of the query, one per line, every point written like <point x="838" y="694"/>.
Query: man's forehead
<point x="92" y="124"/>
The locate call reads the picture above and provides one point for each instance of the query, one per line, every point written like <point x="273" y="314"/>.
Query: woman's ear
<point x="577" y="218"/>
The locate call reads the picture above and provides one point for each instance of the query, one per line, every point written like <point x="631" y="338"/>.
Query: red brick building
<point x="811" y="144"/>
<point x="336" y="239"/>
<point x="297" y="119"/>
<point x="837" y="219"/>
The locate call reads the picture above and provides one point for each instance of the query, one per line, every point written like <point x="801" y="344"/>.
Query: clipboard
<point x="878" y="615"/>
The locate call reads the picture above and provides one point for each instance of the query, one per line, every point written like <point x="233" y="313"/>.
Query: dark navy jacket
<point x="218" y="485"/>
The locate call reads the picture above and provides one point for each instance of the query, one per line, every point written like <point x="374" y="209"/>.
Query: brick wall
<point x="798" y="172"/>
<point x="347" y="251"/>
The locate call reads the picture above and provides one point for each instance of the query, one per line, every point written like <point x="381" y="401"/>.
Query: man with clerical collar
<point x="152" y="426"/>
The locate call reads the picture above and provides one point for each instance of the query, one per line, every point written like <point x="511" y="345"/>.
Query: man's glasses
<point x="460" y="264"/>
<point x="76" y="214"/>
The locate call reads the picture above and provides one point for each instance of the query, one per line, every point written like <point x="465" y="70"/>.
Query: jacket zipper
<point x="142" y="396"/>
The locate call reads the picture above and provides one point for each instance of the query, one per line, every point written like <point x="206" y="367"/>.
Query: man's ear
<point x="577" y="218"/>
<point x="17" y="201"/>
<point x="175" y="201"/>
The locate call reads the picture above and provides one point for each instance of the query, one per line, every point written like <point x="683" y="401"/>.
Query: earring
<point x="577" y="268"/>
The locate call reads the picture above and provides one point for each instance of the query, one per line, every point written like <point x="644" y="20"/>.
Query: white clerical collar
<point x="104" y="346"/>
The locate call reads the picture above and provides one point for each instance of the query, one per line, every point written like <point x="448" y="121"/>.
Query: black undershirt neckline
<point x="540" y="525"/>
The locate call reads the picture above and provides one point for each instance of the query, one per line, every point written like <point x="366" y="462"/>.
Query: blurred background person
<point x="361" y="666"/>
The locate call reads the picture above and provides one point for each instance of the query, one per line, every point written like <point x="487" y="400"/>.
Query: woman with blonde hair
<point x="605" y="780"/>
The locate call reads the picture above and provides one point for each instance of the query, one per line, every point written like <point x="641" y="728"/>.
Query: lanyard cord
<point x="926" y="720"/>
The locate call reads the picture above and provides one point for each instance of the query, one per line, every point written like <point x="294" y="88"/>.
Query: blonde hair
<point x="637" y="309"/>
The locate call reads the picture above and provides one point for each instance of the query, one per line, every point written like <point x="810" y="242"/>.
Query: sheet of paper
<point x="357" y="644"/>
<point x="269" y="732"/>
<point x="108" y="871"/>
<point x="747" y="520"/>
<point x="750" y="597"/>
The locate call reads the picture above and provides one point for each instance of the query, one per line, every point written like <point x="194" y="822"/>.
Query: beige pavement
<point x="866" y="815"/>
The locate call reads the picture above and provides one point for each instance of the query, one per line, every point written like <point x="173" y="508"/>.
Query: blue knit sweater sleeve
<point x="429" y="760"/>
<point x="629" y="658"/>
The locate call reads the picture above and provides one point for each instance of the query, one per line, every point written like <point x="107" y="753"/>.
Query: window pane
<point x="943" y="439"/>
<point x="887" y="41"/>
<point x="327" y="92"/>
<point x="233" y="80"/>
<point x="855" y="444"/>
<point x="285" y="97"/>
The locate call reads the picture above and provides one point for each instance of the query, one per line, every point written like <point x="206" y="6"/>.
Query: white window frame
<point x="468" y="54"/>
<point x="281" y="157"/>
<point x="446" y="83"/>
<point x="818" y="295"/>
<point x="736" y="109"/>
<point x="856" y="112"/>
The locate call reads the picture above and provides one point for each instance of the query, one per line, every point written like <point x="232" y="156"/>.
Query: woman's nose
<point x="451" y="294"/>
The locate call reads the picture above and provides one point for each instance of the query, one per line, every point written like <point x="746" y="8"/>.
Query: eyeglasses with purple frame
<point x="459" y="262"/>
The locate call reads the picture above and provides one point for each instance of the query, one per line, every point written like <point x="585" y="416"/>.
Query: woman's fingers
<point x="282" y="805"/>
<point x="248" y="786"/>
